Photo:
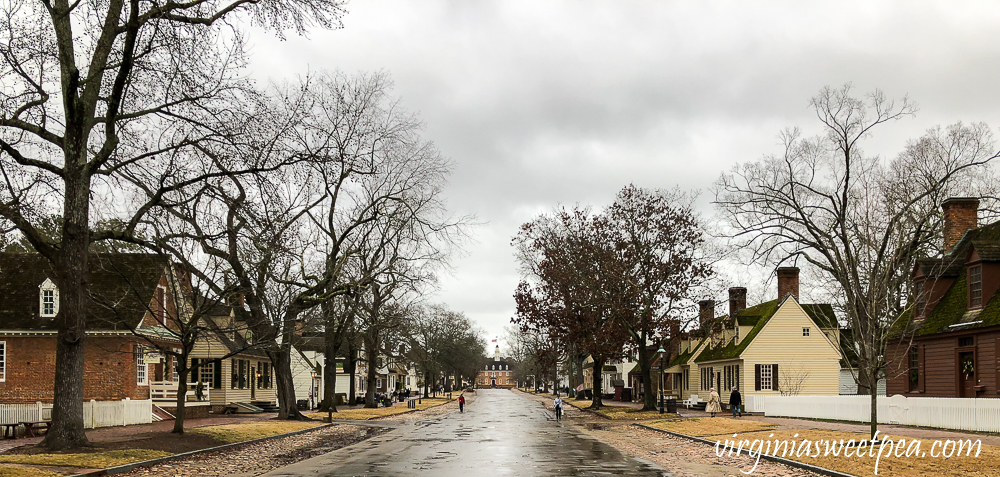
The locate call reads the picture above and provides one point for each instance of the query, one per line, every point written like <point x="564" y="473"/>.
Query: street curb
<point x="128" y="467"/>
<point x="780" y="460"/>
<point x="120" y="469"/>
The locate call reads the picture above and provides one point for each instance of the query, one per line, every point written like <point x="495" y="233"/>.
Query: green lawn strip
<point x="93" y="460"/>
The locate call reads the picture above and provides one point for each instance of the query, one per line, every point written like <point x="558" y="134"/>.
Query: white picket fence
<point x="980" y="415"/>
<point x="753" y="403"/>
<point x="95" y="413"/>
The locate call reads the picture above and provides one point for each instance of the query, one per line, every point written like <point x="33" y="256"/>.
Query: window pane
<point x="976" y="286"/>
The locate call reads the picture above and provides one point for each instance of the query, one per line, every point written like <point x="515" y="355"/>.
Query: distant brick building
<point x="496" y="374"/>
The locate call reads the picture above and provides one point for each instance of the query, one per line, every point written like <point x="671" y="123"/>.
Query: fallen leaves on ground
<point x="619" y="413"/>
<point x="94" y="460"/>
<point x="252" y="430"/>
<point x="919" y="463"/>
<point x="622" y="413"/>
<point x="711" y="426"/>
<point x="362" y="414"/>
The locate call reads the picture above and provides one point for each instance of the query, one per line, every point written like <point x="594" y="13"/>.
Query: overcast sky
<point x="541" y="103"/>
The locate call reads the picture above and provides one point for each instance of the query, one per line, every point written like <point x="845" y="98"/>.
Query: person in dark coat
<point x="736" y="402"/>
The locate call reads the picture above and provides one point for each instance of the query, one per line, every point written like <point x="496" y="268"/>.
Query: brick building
<point x="496" y="374"/>
<point x="127" y="292"/>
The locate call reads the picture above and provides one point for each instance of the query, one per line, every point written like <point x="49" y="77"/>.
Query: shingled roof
<point x="952" y="311"/>
<point x="758" y="316"/>
<point x="121" y="287"/>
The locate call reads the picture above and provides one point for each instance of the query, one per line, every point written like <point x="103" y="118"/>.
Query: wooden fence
<point x="95" y="413"/>
<point x="967" y="414"/>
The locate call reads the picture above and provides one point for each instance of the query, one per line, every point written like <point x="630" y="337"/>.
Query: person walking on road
<point x="558" y="405"/>
<point x="713" y="405"/>
<point x="461" y="403"/>
<point x="736" y="402"/>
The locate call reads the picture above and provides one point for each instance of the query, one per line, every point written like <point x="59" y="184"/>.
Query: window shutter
<point x="774" y="377"/>
<point x="194" y="369"/>
<point x="921" y="381"/>
<point x="217" y="374"/>
<point x="756" y="372"/>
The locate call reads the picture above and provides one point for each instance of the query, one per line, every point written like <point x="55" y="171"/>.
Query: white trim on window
<point x="48" y="299"/>
<point x="766" y="381"/>
<point x="141" y="371"/>
<point x="3" y="361"/>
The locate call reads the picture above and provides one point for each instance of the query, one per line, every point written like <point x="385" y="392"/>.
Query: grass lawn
<point x="96" y="460"/>
<point x="362" y="414"/>
<point x="709" y="426"/>
<point x="920" y="463"/>
<point x="252" y="430"/>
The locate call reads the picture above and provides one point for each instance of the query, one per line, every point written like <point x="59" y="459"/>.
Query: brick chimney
<point x="737" y="300"/>
<point x="788" y="282"/>
<point x="706" y="313"/>
<point x="960" y="215"/>
<point x="675" y="329"/>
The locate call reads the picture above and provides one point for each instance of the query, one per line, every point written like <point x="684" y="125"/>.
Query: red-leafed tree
<point x="658" y="243"/>
<point x="572" y="288"/>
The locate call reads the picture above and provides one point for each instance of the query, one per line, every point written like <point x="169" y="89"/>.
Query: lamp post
<point x="661" y="351"/>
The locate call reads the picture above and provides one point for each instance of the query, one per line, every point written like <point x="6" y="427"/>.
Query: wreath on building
<point x="968" y="368"/>
<point x="914" y="376"/>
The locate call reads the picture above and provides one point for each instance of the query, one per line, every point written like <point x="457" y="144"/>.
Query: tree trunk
<point x="182" y="375"/>
<point x="372" y="355"/>
<point x="71" y="268"/>
<point x="427" y="379"/>
<point x="646" y="374"/>
<point x="597" y="402"/>
<point x="351" y="366"/>
<point x="579" y="374"/>
<point x="329" y="403"/>
<point x="555" y="379"/>
<point x="873" y="378"/>
<point x="281" y="364"/>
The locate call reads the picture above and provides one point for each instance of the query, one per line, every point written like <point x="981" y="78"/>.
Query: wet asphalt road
<point x="500" y="434"/>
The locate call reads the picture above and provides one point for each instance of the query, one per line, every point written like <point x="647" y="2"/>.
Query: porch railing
<point x="166" y="392"/>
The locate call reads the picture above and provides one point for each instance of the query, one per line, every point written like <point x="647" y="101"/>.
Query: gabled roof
<point x="987" y="251"/>
<point x="759" y="315"/>
<point x="951" y="312"/>
<point x="939" y="267"/>
<point x="685" y="356"/>
<point x="121" y="287"/>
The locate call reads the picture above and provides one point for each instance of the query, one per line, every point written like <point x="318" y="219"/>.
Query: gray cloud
<point x="540" y="103"/>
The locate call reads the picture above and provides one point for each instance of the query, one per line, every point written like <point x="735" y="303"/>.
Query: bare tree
<point x="792" y="380"/>
<point x="860" y="220"/>
<point x="92" y="90"/>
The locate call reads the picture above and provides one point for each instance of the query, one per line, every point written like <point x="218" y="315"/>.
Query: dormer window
<point x="920" y="303"/>
<point x="976" y="286"/>
<point x="48" y="299"/>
